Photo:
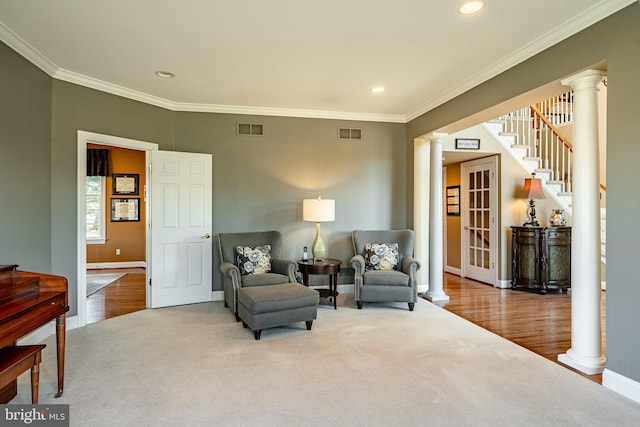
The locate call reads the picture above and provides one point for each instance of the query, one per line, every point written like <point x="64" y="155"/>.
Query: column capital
<point x="437" y="137"/>
<point x="586" y="76"/>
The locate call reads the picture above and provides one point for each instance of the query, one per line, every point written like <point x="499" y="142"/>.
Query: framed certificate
<point x="123" y="210"/>
<point x="125" y="184"/>
<point x="453" y="200"/>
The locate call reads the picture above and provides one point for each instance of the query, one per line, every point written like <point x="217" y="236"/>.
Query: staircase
<point x="533" y="135"/>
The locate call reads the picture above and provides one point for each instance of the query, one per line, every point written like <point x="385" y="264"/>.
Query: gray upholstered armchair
<point x="233" y="277"/>
<point x="385" y="269"/>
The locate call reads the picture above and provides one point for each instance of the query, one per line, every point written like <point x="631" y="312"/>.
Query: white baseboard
<point x="503" y="284"/>
<point x="453" y="270"/>
<point x="129" y="264"/>
<point x="621" y="385"/>
<point x="217" y="295"/>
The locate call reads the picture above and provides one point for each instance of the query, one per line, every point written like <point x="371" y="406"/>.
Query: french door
<point x="479" y="213"/>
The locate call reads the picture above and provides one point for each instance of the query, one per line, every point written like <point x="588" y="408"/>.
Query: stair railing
<point x="555" y="150"/>
<point x="537" y="129"/>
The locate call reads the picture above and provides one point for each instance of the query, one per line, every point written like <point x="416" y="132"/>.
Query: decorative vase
<point x="557" y="218"/>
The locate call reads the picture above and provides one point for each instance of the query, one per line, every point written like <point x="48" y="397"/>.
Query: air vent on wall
<point x="350" y="134"/>
<point x="252" y="129"/>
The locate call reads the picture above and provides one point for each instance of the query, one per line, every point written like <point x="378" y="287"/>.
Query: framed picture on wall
<point x="453" y="200"/>
<point x="125" y="184"/>
<point x="467" y="144"/>
<point x="123" y="210"/>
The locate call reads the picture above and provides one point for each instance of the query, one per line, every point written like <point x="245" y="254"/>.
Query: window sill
<point x="96" y="241"/>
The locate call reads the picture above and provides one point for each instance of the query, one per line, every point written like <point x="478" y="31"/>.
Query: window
<point x="96" y="210"/>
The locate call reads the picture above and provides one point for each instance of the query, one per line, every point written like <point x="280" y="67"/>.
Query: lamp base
<point x="317" y="249"/>
<point x="531" y="213"/>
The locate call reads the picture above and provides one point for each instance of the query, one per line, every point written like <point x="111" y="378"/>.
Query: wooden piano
<point x="27" y="301"/>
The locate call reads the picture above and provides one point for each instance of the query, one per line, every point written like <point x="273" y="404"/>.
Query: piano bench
<point x="16" y="359"/>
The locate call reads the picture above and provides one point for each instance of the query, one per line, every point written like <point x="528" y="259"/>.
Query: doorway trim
<point x="85" y="137"/>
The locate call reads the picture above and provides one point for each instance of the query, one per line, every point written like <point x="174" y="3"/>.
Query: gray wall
<point x="616" y="40"/>
<point x="259" y="182"/>
<point x="25" y="152"/>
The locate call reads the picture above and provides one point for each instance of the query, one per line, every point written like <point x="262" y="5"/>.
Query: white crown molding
<point x="103" y="86"/>
<point x="16" y="43"/>
<point x="580" y="22"/>
<point x="589" y="17"/>
<point x="289" y="112"/>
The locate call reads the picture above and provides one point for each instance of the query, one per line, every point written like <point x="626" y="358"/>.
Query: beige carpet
<point x="379" y="366"/>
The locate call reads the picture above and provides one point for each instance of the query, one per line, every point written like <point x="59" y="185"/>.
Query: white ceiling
<point x="305" y="58"/>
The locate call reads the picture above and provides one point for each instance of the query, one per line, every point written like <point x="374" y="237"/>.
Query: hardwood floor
<point x="540" y="323"/>
<point x="123" y="296"/>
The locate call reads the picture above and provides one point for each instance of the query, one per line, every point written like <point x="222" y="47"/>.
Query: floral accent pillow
<point x="253" y="260"/>
<point x="381" y="256"/>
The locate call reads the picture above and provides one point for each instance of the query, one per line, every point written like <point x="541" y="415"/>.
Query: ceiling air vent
<point x="351" y="134"/>
<point x="251" y="129"/>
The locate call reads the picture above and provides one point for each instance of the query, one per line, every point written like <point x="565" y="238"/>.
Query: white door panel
<point x="181" y="222"/>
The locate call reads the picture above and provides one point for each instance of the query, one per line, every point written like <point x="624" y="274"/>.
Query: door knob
<point x="466" y="228"/>
<point x="206" y="236"/>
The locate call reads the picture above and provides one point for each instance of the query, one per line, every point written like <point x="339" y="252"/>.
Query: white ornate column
<point x="436" y="222"/>
<point x="420" y="209"/>
<point x="585" y="353"/>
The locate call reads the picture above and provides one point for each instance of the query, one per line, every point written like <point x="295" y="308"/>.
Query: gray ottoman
<point x="261" y="307"/>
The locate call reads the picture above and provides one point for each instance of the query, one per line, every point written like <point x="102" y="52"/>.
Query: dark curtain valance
<point x="97" y="162"/>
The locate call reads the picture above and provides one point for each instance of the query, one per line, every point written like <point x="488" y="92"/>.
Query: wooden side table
<point x="326" y="266"/>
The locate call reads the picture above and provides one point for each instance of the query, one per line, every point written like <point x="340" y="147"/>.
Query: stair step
<point x="543" y="170"/>
<point x="509" y="137"/>
<point x="556" y="184"/>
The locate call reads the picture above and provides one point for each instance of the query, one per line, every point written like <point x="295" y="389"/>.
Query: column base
<point x="436" y="296"/>
<point x="588" y="365"/>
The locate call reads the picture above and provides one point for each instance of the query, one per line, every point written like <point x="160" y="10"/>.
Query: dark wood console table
<point x="541" y="258"/>
<point x="326" y="266"/>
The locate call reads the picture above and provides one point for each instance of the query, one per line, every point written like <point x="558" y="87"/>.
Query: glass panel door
<point x="478" y="220"/>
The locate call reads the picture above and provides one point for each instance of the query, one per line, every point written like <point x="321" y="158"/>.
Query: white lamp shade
<point x="318" y="210"/>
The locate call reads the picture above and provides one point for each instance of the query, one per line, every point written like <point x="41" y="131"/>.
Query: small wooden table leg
<point x="35" y="377"/>
<point x="60" y="346"/>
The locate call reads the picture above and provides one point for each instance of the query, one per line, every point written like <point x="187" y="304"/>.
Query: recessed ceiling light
<point x="165" y="74"/>
<point x="377" y="89"/>
<point x="471" y="7"/>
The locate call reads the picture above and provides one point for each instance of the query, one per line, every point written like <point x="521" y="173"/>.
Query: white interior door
<point x="181" y="225"/>
<point x="479" y="208"/>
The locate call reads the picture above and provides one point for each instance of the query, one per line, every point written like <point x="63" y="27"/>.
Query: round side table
<point x="326" y="266"/>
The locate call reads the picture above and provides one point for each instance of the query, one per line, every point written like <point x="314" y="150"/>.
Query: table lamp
<point x="532" y="190"/>
<point x="318" y="210"/>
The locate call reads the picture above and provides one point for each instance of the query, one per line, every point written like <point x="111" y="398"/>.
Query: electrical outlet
<point x="117" y="251"/>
